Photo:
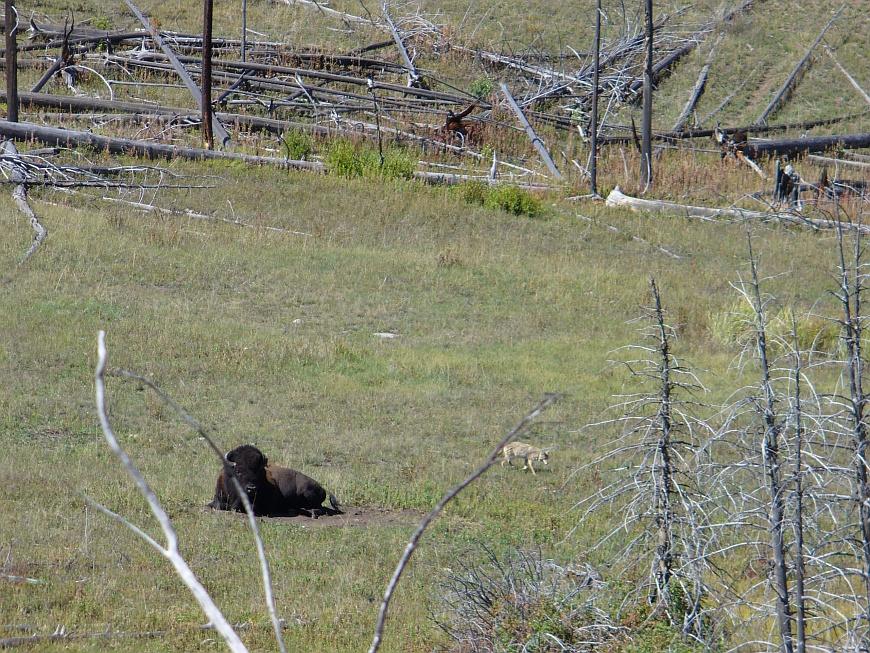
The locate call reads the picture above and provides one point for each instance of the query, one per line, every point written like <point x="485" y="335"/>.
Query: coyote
<point x="522" y="450"/>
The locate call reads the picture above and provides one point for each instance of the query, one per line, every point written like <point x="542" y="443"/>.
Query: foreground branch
<point x="19" y="196"/>
<point x="428" y="519"/>
<point x="170" y="550"/>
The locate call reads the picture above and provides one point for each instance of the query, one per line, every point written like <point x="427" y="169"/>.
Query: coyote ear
<point x="230" y="457"/>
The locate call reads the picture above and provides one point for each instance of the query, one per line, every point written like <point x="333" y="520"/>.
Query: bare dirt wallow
<point x="352" y="516"/>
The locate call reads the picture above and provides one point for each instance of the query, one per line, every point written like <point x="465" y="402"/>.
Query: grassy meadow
<point x="268" y="337"/>
<point x="268" y="333"/>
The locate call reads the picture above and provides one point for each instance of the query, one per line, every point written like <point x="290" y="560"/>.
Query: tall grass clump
<point x="734" y="327"/>
<point x="348" y="159"/>
<point x="504" y="198"/>
<point x="297" y="144"/>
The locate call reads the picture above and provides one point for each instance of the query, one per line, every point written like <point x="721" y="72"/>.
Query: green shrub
<point x="513" y="200"/>
<point x="474" y="192"/>
<point x="298" y="145"/>
<point x="481" y="88"/>
<point x="659" y="637"/>
<point x="353" y="160"/>
<point x="342" y="159"/>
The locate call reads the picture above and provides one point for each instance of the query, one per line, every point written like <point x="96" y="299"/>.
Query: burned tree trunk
<point x="772" y="468"/>
<point x="11" y="55"/>
<point x="207" y="137"/>
<point x="850" y="299"/>
<point x="664" y="484"/>
<point x="646" y="175"/>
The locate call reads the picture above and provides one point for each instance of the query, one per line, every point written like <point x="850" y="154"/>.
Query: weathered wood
<point x="413" y="73"/>
<point x="749" y="129"/>
<point x="218" y="129"/>
<point x="792" y="78"/>
<point x="697" y="91"/>
<point x="646" y="173"/>
<point x="596" y="61"/>
<point x="272" y="69"/>
<point x="11" y="57"/>
<point x="18" y="176"/>
<point x="25" y="131"/>
<point x="536" y="140"/>
<point x="205" y="104"/>
<point x="618" y="198"/>
<point x="845" y="72"/>
<point x="826" y="160"/>
<point x="810" y="144"/>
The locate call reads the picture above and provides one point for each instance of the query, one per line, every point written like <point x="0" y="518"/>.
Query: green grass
<point x="268" y="338"/>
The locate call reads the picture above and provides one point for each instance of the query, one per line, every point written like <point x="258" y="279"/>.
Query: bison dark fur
<point x="272" y="490"/>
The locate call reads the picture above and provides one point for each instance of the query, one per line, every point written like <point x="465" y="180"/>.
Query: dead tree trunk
<point x="536" y="140"/>
<point x="664" y="484"/>
<point x="217" y="127"/>
<point x="793" y="77"/>
<point x="800" y="557"/>
<point x="772" y="469"/>
<point x="850" y="299"/>
<point x="646" y="176"/>
<point x="593" y="165"/>
<point x="11" y="17"/>
<point x="207" y="136"/>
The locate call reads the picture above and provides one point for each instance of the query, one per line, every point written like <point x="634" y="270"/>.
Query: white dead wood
<point x="837" y="162"/>
<point x="845" y="72"/>
<point x="433" y="514"/>
<point x="246" y="503"/>
<point x="16" y="173"/>
<point x="618" y="198"/>
<point x="413" y="73"/>
<point x="194" y="215"/>
<point x="344" y="17"/>
<point x="535" y="139"/>
<point x="170" y="549"/>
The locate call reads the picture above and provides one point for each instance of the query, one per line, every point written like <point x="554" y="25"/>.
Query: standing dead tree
<point x="853" y="408"/>
<point x="767" y="409"/>
<point x="656" y="486"/>
<point x="11" y="60"/>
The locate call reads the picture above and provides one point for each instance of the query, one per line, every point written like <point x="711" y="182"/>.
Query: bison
<point x="271" y="489"/>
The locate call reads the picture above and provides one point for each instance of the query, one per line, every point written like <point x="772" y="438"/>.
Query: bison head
<point x="248" y="465"/>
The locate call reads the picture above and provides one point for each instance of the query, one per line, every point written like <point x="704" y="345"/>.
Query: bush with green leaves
<point x="349" y="159"/>
<point x="298" y="145"/>
<point x="505" y="198"/>
<point x="481" y="88"/>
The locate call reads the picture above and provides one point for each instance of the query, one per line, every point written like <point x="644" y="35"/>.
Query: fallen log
<point x="536" y="140"/>
<point x="617" y="198"/>
<point x="413" y="73"/>
<point x="52" y="136"/>
<point x="25" y="131"/>
<point x="810" y="145"/>
<point x="826" y="160"/>
<point x="749" y="129"/>
<point x="791" y="81"/>
<point x="697" y="91"/>
<point x="845" y="72"/>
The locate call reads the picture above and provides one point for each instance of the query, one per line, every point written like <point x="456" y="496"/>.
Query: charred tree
<point x="11" y="54"/>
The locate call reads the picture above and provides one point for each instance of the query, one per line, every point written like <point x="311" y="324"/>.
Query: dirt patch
<point x="358" y="517"/>
<point x="352" y="516"/>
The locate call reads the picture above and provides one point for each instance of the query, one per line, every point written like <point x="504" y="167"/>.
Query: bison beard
<point x="272" y="490"/>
